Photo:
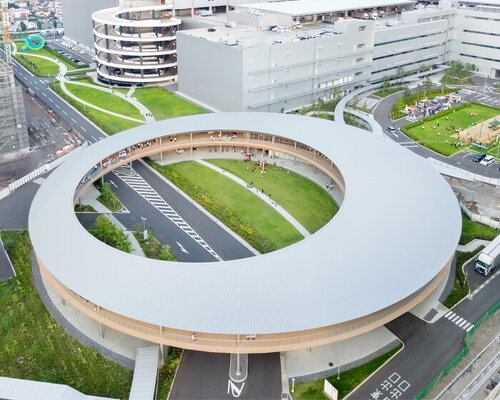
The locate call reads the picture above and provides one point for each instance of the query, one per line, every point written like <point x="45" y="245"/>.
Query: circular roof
<point x="398" y="226"/>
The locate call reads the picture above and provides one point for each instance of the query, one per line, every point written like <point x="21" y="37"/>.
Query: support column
<point x="101" y="327"/>
<point x="161" y="345"/>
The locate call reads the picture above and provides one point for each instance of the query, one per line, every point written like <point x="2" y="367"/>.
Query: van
<point x="478" y="157"/>
<point x="488" y="160"/>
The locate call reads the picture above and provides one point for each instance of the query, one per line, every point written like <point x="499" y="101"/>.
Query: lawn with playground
<point x="439" y="132"/>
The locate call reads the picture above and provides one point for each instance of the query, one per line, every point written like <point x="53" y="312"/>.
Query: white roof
<point x="22" y="389"/>
<point x="310" y="7"/>
<point x="397" y="228"/>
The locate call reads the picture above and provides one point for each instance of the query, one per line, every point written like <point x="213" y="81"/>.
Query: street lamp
<point x="144" y="233"/>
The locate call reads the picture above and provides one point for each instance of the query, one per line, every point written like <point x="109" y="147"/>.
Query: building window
<point x="359" y="60"/>
<point x="362" y="28"/>
<point x="361" y="45"/>
<point x="358" y="73"/>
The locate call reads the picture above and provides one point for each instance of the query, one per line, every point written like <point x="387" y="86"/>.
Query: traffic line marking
<point x="141" y="187"/>
<point x="83" y="128"/>
<point x="459" y="321"/>
<point x="44" y="94"/>
<point x="65" y="112"/>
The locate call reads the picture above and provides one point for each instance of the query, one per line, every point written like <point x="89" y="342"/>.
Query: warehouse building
<point x="284" y="55"/>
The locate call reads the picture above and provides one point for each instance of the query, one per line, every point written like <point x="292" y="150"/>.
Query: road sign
<point x="330" y="390"/>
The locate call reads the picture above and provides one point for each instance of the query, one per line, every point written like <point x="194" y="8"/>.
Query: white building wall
<point x="477" y="41"/>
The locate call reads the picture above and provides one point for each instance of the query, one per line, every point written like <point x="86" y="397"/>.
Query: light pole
<point x="338" y="369"/>
<point x="144" y="232"/>
<point x="293" y="385"/>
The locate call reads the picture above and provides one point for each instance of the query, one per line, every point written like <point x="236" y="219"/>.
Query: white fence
<point x="476" y="177"/>
<point x="482" y="219"/>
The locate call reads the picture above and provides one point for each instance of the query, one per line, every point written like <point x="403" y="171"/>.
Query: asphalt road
<point x="462" y="159"/>
<point x="428" y="348"/>
<point x="206" y="376"/>
<point x="165" y="230"/>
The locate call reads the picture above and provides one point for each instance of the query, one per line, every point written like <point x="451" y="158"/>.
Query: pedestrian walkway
<point x="304" y="232"/>
<point x="472" y="245"/>
<point x="459" y="321"/>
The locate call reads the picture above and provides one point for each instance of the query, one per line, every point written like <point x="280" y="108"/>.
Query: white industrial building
<point x="321" y="48"/>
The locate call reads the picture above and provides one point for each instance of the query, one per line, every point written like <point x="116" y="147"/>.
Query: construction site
<point x="13" y="131"/>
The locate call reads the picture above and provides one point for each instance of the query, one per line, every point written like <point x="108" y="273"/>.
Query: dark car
<point x="478" y="157"/>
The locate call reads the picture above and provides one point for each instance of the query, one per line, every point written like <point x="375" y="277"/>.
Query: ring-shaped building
<point x="390" y="245"/>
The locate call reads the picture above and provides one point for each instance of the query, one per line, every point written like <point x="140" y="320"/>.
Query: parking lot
<point x="481" y="94"/>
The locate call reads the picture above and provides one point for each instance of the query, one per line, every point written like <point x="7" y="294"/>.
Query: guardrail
<point x="476" y="177"/>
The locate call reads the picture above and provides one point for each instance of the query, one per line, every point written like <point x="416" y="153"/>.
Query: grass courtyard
<point x="164" y="104"/>
<point x="34" y="346"/>
<point x="243" y="212"/>
<point x="474" y="230"/>
<point x="303" y="199"/>
<point x="46" y="68"/>
<point x="108" y="123"/>
<point x="107" y="101"/>
<point x="426" y="131"/>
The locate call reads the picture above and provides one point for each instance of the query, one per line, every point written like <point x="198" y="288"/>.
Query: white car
<point x="488" y="160"/>
<point x="279" y="29"/>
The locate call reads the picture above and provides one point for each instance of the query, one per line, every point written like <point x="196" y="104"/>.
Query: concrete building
<point x="13" y="131"/>
<point x="319" y="49"/>
<point x="136" y="44"/>
<point x="77" y="19"/>
<point x="18" y="14"/>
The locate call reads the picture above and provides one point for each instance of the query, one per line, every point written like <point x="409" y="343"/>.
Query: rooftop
<point x="310" y="7"/>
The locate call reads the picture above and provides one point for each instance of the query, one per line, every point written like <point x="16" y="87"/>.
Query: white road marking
<point x="182" y="247"/>
<point x="114" y="184"/>
<point x="73" y="120"/>
<point x="51" y="100"/>
<point x="459" y="321"/>
<point x="44" y="94"/>
<point x="58" y="107"/>
<point x="65" y="112"/>
<point x="40" y="81"/>
<point x="141" y="187"/>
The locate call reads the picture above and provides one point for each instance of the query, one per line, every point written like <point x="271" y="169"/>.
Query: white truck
<point x="489" y="258"/>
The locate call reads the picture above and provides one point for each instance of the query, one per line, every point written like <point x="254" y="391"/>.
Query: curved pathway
<point x="297" y="225"/>
<point x="63" y="69"/>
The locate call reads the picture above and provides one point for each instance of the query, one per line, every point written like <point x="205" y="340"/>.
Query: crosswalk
<point x="137" y="183"/>
<point x="459" y="321"/>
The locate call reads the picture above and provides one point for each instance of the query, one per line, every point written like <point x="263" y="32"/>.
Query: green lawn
<point x="164" y="104"/>
<point x="474" y="230"/>
<point x="43" y="52"/>
<point x="306" y="201"/>
<point x="243" y="212"/>
<point x="107" y="101"/>
<point x="45" y="69"/>
<point x="426" y="131"/>
<point x="346" y="383"/>
<point x="108" y="123"/>
<point x="460" y="287"/>
<point x="91" y="82"/>
<point x="48" y="353"/>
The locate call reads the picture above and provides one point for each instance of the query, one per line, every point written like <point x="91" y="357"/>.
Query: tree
<point x="23" y="26"/>
<point x="470" y="67"/>
<point x="407" y="92"/>
<point x="427" y="85"/>
<point x="107" y="232"/>
<point x="39" y="24"/>
<point x="386" y="83"/>
<point x="55" y="24"/>
<point x="401" y="74"/>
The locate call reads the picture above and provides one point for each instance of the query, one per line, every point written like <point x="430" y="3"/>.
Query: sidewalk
<point x="304" y="232"/>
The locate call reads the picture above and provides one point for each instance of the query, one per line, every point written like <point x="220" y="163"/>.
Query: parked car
<point x="279" y="29"/>
<point x="488" y="160"/>
<point x="478" y="157"/>
<point x="391" y="129"/>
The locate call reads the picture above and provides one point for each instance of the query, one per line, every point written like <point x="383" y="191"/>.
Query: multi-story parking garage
<point x="136" y="44"/>
<point x="388" y="248"/>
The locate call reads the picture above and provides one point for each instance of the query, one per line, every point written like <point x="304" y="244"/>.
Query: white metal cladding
<point x="397" y="228"/>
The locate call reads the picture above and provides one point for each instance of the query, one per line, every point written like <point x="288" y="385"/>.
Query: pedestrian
<point x="193" y="337"/>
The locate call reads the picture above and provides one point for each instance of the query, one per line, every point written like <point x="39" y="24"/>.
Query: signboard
<point x="330" y="390"/>
<point x="482" y="146"/>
